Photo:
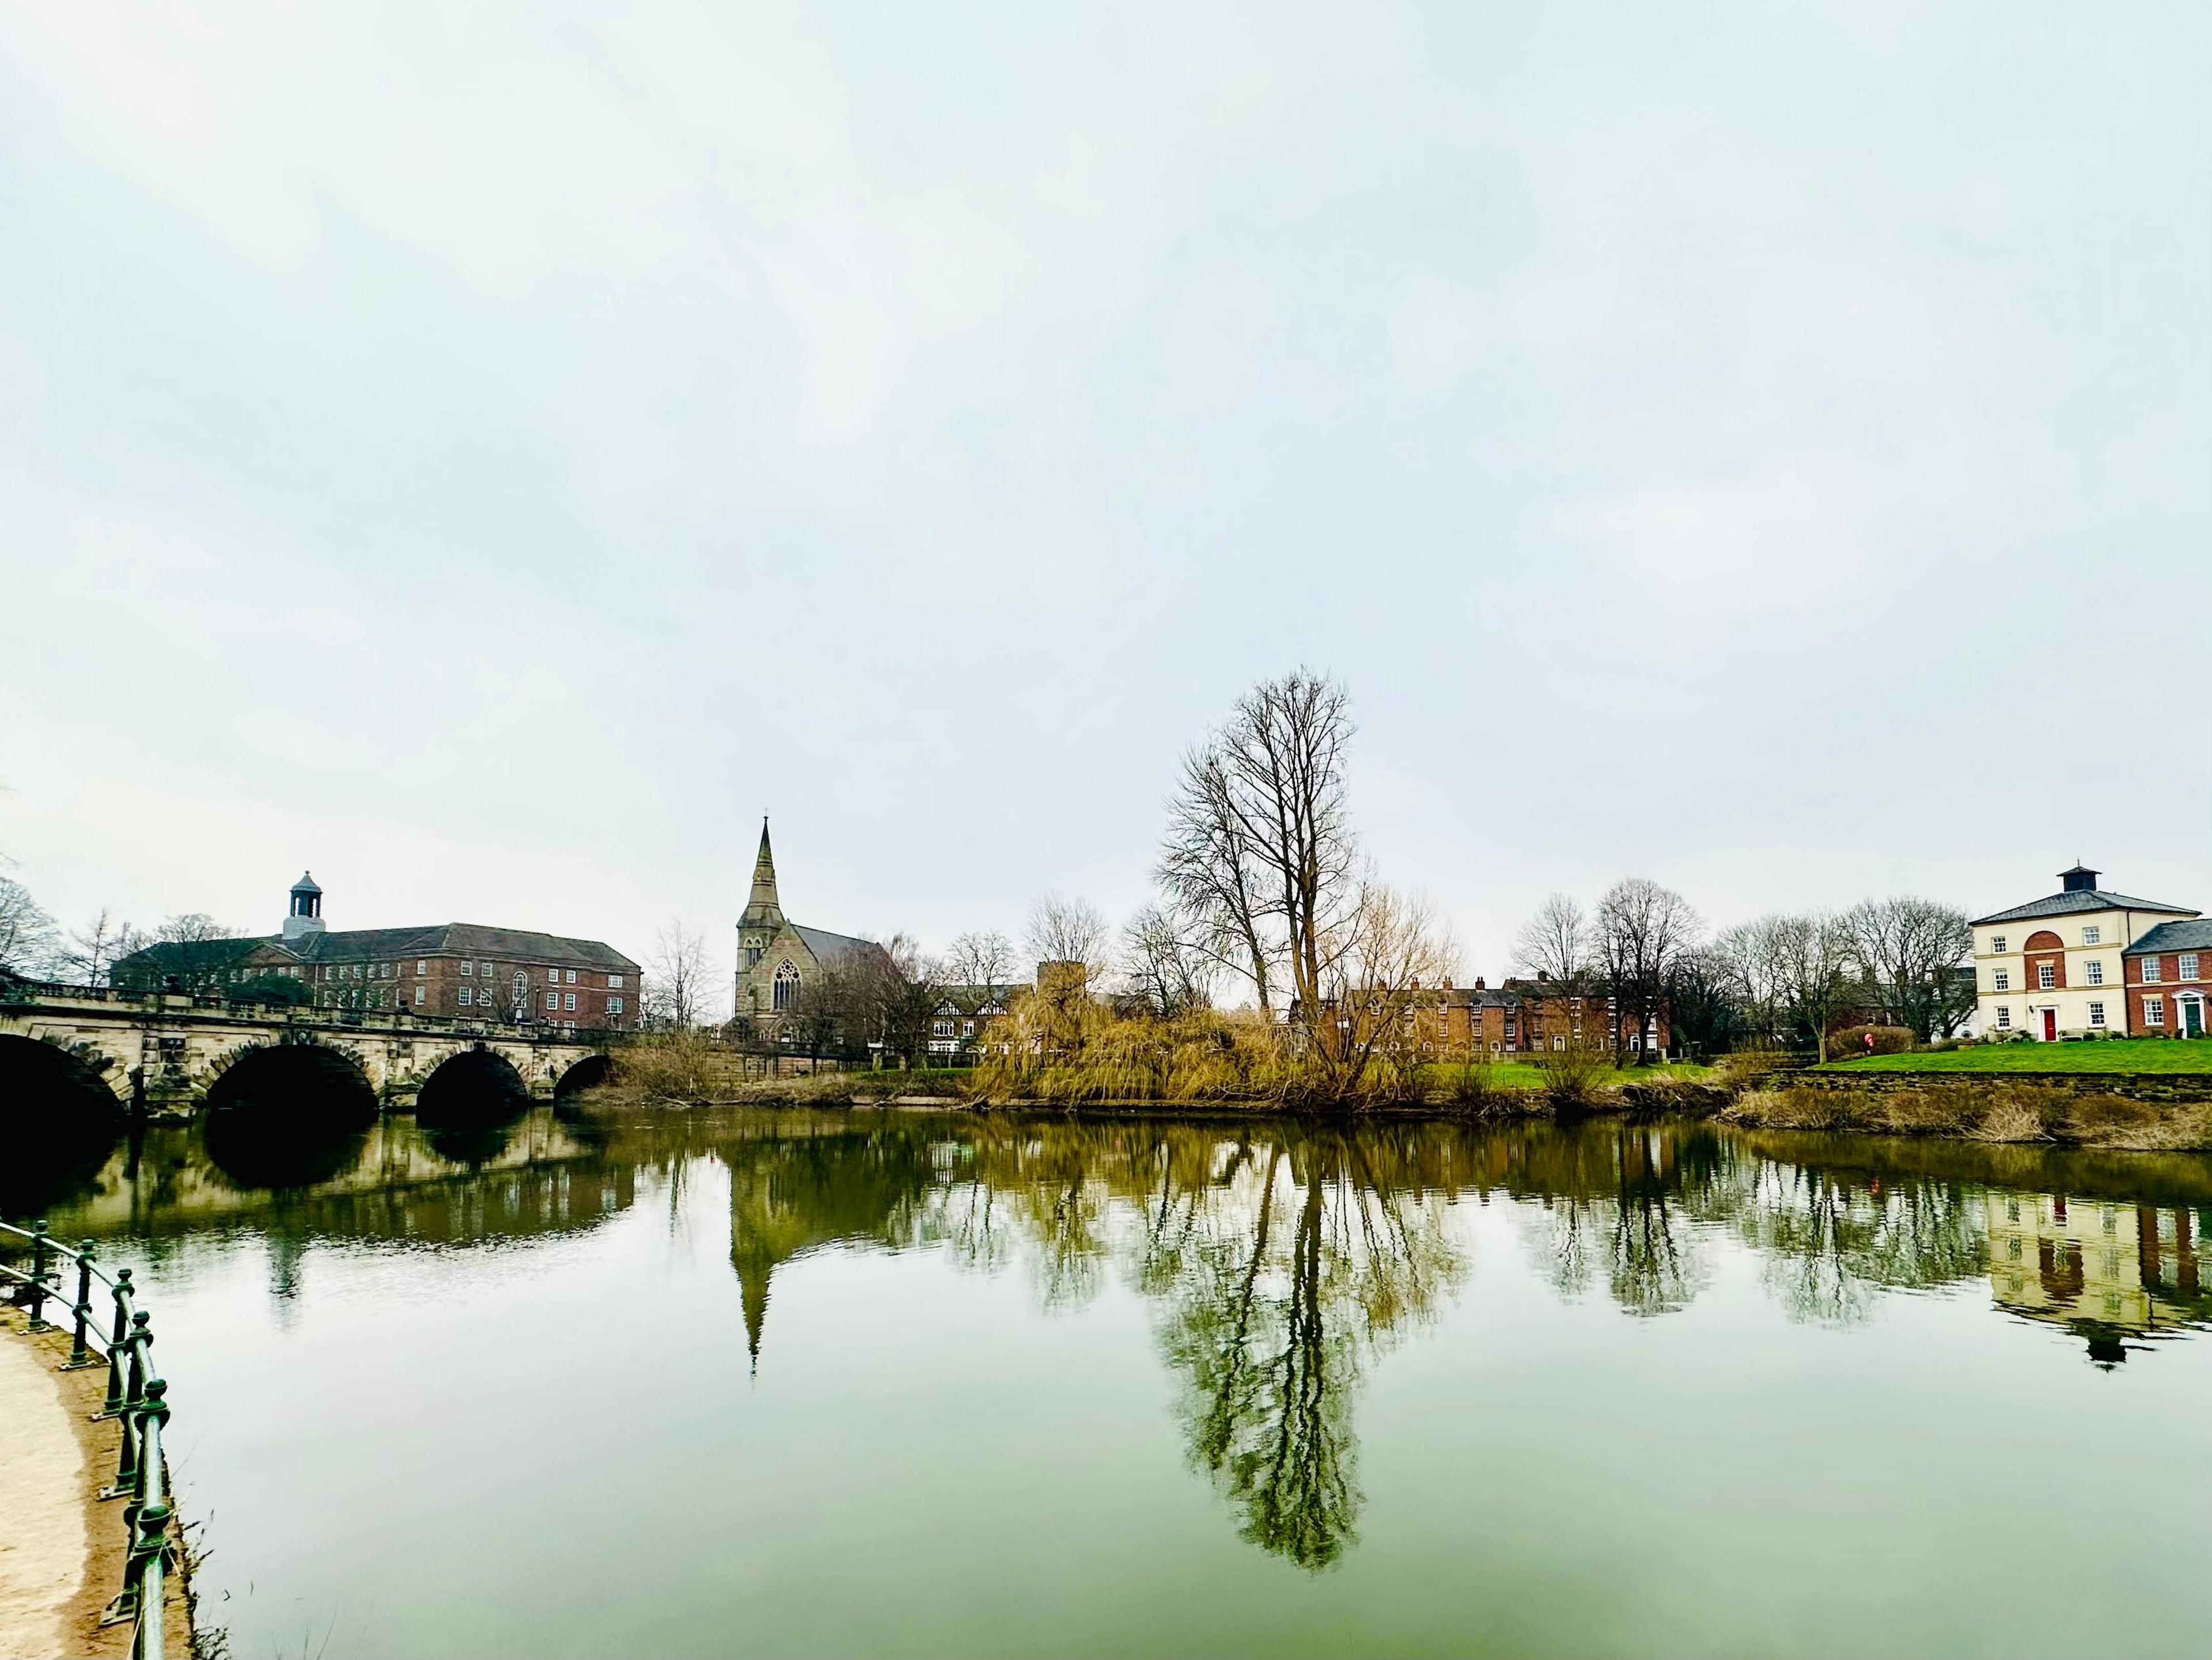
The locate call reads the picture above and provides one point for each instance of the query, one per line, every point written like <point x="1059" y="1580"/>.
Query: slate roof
<point x="827" y="947"/>
<point x="357" y="945"/>
<point x="2174" y="936"/>
<point x="2075" y="900"/>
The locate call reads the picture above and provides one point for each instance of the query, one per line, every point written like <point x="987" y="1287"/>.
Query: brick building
<point x="463" y="971"/>
<point x="2169" y="978"/>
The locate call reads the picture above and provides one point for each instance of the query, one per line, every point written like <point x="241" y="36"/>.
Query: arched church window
<point x="786" y="986"/>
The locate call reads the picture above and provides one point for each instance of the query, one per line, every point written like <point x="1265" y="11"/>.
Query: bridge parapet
<point x="164" y="1050"/>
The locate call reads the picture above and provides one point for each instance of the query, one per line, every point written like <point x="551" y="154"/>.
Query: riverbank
<point x="2169" y="1113"/>
<point x="62" y="1549"/>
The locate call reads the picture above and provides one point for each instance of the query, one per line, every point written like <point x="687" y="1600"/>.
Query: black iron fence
<point x="137" y="1396"/>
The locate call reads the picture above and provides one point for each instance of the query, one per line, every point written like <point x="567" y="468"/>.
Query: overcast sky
<point x="492" y="454"/>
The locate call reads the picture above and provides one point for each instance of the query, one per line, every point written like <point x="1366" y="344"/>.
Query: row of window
<point x="2046" y="973"/>
<point x="2184" y="967"/>
<point x="2092" y="934"/>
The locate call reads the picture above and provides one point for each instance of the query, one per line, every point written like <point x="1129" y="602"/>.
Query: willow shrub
<point x="1076" y="1051"/>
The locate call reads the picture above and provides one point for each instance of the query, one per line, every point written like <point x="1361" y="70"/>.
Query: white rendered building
<point x="2053" y="968"/>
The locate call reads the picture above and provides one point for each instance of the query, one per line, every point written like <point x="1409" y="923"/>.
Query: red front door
<point x="2051" y="1026"/>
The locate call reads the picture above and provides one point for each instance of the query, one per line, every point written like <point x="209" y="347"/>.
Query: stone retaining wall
<point x="2128" y="1086"/>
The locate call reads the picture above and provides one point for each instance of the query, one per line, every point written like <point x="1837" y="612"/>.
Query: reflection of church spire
<point x="752" y="1292"/>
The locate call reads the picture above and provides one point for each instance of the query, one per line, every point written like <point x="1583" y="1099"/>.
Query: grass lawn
<point x="2110" y="1055"/>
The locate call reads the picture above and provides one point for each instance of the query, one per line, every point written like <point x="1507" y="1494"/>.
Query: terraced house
<point x="461" y="970"/>
<point x="2071" y="964"/>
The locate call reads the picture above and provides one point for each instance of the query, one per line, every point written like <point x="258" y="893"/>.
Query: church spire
<point x="763" y="908"/>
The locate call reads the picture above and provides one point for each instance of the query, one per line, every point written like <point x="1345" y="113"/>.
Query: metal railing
<point x="137" y="1396"/>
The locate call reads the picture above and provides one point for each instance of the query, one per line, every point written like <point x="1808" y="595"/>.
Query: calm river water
<point x="867" y="1383"/>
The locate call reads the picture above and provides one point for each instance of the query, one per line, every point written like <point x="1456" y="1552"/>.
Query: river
<point x="754" y="1383"/>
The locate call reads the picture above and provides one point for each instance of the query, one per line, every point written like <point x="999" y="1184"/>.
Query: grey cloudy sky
<point x="492" y="454"/>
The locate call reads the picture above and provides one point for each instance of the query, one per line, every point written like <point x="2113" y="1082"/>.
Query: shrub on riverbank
<point x="2001" y="1112"/>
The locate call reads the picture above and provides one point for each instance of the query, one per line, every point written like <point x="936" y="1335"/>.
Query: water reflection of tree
<point x="1827" y="1246"/>
<point x="1280" y="1262"/>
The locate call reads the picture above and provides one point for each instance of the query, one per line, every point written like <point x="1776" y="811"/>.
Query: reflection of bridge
<point x="166" y="1051"/>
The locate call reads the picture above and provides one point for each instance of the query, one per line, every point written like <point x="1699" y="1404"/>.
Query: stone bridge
<point x="162" y="1052"/>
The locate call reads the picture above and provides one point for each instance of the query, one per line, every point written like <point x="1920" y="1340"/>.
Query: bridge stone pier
<point x="163" y="1053"/>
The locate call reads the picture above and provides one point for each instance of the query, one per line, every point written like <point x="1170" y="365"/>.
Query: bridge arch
<point x="58" y="1122"/>
<point x="586" y="1073"/>
<point x="476" y="1086"/>
<point x="287" y="1115"/>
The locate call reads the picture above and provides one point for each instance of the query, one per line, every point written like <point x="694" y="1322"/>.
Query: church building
<point x="777" y="958"/>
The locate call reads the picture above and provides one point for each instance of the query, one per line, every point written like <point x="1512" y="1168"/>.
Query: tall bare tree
<point x="1909" y="949"/>
<point x="1260" y="848"/>
<point x="676" y="995"/>
<point x="1555" y="942"/>
<point x="1210" y="866"/>
<point x="1641" y="930"/>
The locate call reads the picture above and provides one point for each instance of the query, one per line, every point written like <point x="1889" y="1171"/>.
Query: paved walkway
<point x="43" y="1544"/>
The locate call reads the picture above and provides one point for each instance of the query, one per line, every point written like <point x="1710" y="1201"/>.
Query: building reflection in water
<point x="2109" y="1271"/>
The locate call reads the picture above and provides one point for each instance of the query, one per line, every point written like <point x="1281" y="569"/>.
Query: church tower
<point x="763" y="917"/>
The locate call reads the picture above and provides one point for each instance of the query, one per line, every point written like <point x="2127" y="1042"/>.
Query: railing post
<point x="146" y="1526"/>
<point x="113" y="1404"/>
<point x="42" y="1246"/>
<point x="80" y="1355"/>
<point x="128" y="1453"/>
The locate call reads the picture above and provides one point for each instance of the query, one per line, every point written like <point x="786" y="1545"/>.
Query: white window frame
<point x="2154" y="1011"/>
<point x="614" y="982"/>
<point x="2096" y="971"/>
<point x="2153" y="969"/>
<point x="2186" y="967"/>
<point x="421" y="966"/>
<point x="2004" y="1018"/>
<point x="568" y="1001"/>
<point x="468" y="965"/>
<point x="1997" y="944"/>
<point x="468" y="996"/>
<point x="614" y="1006"/>
<point x="2096" y="1012"/>
<point x="422" y="993"/>
<point x="2001" y="979"/>
<point x="2092" y="935"/>
<point x="552" y="1002"/>
<point x="2046" y="976"/>
<point x="572" y="977"/>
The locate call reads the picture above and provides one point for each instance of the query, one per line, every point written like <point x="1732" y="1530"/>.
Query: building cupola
<point x="2080" y="880"/>
<point x="306" y="916"/>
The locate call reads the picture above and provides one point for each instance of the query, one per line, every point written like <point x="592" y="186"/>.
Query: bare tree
<point x="1260" y="848"/>
<point x="1909" y="951"/>
<point x="90" y="953"/>
<point x="976" y="966"/>
<point x="676" y="992"/>
<point x="1752" y="952"/>
<point x="1164" y="965"/>
<point x="1210" y="866"/>
<point x="1393" y="955"/>
<point x="1813" y="955"/>
<point x="1641" y="930"/>
<point x="889" y="996"/>
<point x="1555" y="942"/>
<point x="26" y="933"/>
<point x="1062" y="930"/>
